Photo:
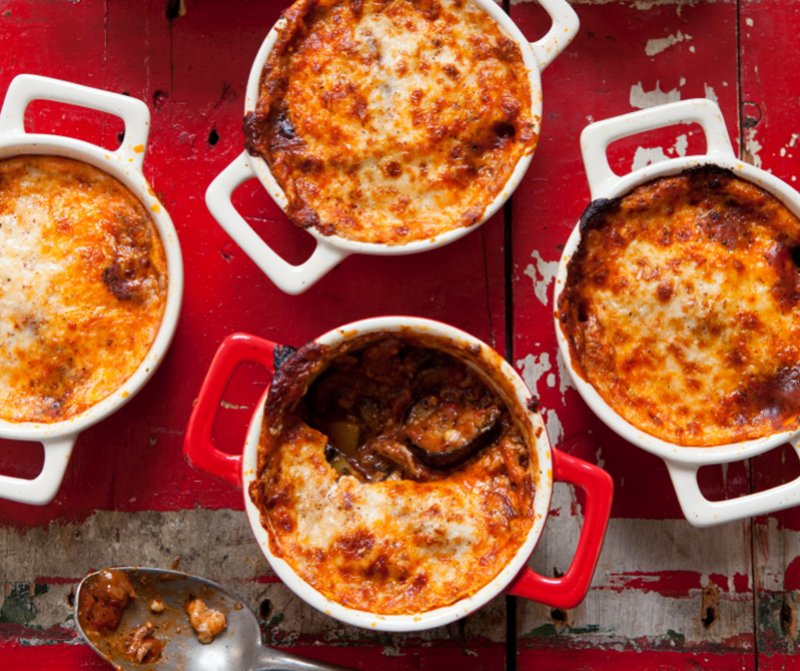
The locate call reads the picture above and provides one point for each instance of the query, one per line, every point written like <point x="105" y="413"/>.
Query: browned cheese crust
<point x="362" y="507"/>
<point x="391" y="121"/>
<point x="83" y="283"/>
<point x="681" y="308"/>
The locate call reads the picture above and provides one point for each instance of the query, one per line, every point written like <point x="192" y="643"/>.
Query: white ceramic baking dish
<point x="125" y="164"/>
<point x="516" y="577"/>
<point x="330" y="249"/>
<point x="682" y="462"/>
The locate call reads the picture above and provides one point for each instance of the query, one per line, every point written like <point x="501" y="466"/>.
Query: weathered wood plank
<point x="662" y="588"/>
<point x="770" y="85"/>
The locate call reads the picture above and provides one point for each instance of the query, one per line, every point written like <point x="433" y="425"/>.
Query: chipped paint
<point x="233" y="406"/>
<point x="645" y="156"/>
<point x="555" y="429"/>
<point x="18" y="603"/>
<point x="598" y="457"/>
<point x="564" y="377"/>
<point x="752" y="147"/>
<point x="657" y="45"/>
<point x="641" y="99"/>
<point x="667" y="583"/>
<point x="784" y="151"/>
<point x="533" y="368"/>
<point x="216" y="544"/>
<point x="662" y="567"/>
<point x="710" y="93"/>
<point x="541" y="274"/>
<point x="681" y="144"/>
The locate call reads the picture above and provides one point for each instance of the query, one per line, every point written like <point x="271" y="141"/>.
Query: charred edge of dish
<point x="254" y="127"/>
<point x="708" y="172"/>
<point x="571" y="306"/>
<point x="272" y="83"/>
<point x="291" y="381"/>
<point x="281" y="354"/>
<point x="594" y="216"/>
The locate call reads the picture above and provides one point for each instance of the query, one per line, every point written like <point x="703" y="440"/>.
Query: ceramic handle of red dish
<point x="568" y="591"/>
<point x="24" y="89"/>
<point x="596" y="138"/>
<point x="198" y="445"/>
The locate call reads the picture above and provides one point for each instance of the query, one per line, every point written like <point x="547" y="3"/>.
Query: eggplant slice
<point x="445" y="433"/>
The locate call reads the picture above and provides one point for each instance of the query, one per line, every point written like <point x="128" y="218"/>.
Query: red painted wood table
<point x="665" y="595"/>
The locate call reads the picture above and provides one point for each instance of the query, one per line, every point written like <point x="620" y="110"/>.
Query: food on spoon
<point x="157" y="605"/>
<point x="104" y="599"/>
<point x="141" y="646"/>
<point x="207" y="622"/>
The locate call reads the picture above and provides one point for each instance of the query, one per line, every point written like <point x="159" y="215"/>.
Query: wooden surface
<point x="665" y="595"/>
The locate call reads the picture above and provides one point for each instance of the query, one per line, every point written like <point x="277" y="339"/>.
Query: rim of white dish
<point x="467" y="605"/>
<point x="695" y="455"/>
<point x="131" y="176"/>
<point x="265" y="176"/>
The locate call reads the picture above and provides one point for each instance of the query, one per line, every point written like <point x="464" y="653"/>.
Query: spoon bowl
<point x="237" y="647"/>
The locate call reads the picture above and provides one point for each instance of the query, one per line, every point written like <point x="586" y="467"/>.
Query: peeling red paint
<point x="791" y="578"/>
<point x="468" y="657"/>
<point x="741" y="583"/>
<point x="56" y="580"/>
<point x="607" y="660"/>
<point x="719" y="580"/>
<point x="666" y="583"/>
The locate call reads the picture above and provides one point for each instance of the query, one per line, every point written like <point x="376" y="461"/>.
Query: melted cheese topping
<point x="682" y="308"/>
<point x="395" y="121"/>
<point x="82" y="287"/>
<point x="402" y="544"/>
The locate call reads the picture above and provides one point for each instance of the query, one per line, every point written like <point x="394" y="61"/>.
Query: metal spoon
<point x="238" y="647"/>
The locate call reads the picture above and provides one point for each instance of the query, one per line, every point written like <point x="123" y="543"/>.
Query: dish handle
<point x="570" y="589"/>
<point x="42" y="489"/>
<point x="596" y="137"/>
<point x="700" y="512"/>
<point x="24" y="89"/>
<point x="198" y="445"/>
<point x="562" y="31"/>
<point x="289" y="278"/>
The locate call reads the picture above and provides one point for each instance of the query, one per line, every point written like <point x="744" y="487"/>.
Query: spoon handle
<point x="271" y="659"/>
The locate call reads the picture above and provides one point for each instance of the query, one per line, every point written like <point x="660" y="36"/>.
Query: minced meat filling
<point x="398" y="410"/>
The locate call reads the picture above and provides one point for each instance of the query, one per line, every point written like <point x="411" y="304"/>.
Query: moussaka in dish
<point x="83" y="282"/>
<point x="397" y="481"/>
<point x="682" y="308"/>
<point x="389" y="122"/>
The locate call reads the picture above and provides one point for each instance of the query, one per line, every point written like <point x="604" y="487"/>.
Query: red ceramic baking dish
<point x="548" y="465"/>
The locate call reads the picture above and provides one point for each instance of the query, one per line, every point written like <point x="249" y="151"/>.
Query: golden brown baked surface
<point x="399" y="484"/>
<point x="682" y="308"/>
<point x="390" y="122"/>
<point x="83" y="282"/>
